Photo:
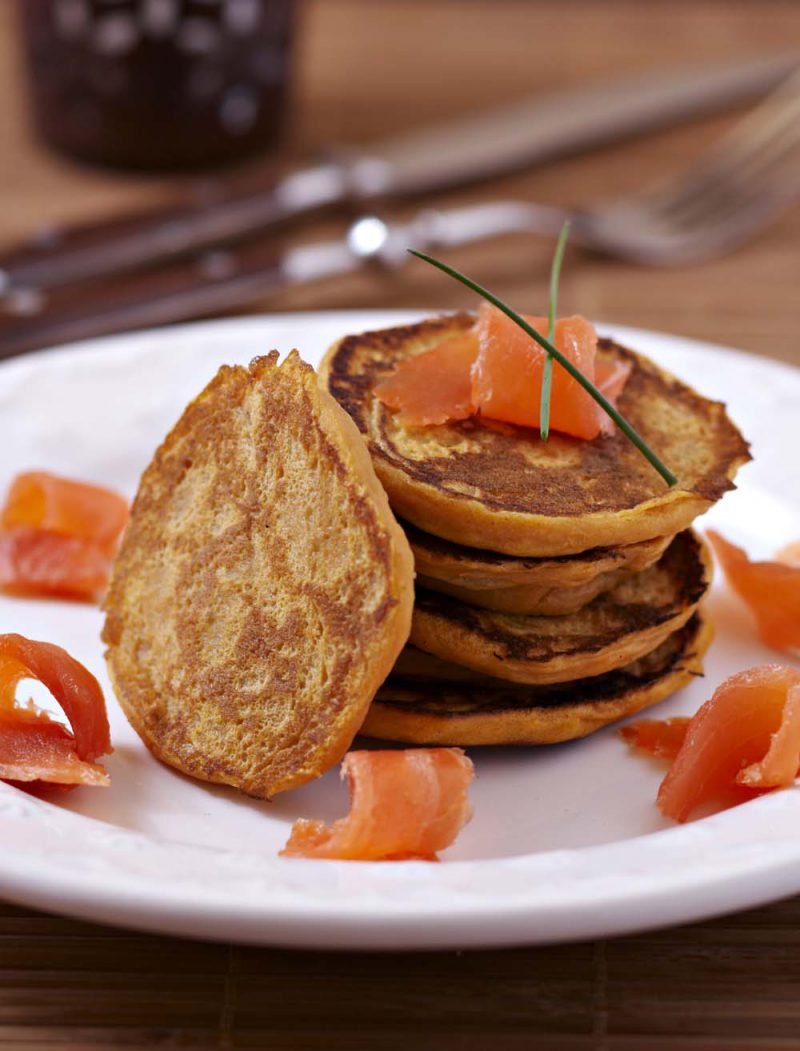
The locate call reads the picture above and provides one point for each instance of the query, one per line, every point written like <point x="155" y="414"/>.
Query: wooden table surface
<point x="365" y="68"/>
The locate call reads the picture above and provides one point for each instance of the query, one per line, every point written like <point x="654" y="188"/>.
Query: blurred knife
<point x="457" y="153"/>
<point x="221" y="281"/>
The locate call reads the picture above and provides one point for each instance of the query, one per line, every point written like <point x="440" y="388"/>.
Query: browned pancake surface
<point x="499" y="487"/>
<point x="263" y="588"/>
<point x="609" y="632"/>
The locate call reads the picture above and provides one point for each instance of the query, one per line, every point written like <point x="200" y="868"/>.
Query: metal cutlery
<point x="408" y="165"/>
<point x="738" y="187"/>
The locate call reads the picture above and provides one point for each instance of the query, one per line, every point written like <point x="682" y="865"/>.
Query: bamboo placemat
<point x="727" y="985"/>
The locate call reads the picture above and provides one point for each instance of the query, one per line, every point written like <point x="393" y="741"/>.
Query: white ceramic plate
<point x="566" y="842"/>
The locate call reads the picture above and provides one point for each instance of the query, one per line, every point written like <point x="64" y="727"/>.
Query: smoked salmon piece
<point x="35" y="562"/>
<point x="496" y="370"/>
<point x="58" y="537"/>
<point x="35" y="748"/>
<point x="610" y="379"/>
<point x="507" y="375"/>
<point x="662" y="738"/>
<point x="404" y="805"/>
<point x="434" y="386"/>
<point x="60" y="505"/>
<point x="771" y="590"/>
<point x="744" y="741"/>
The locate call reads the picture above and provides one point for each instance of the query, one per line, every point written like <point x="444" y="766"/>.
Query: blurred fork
<point x="751" y="175"/>
<point x="747" y="179"/>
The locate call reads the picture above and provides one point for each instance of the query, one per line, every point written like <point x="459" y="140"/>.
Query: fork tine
<point x="751" y="175"/>
<point x="721" y="192"/>
<point x="746" y="200"/>
<point x="773" y="116"/>
<point x="749" y="150"/>
<point x="635" y="235"/>
<point x="723" y="234"/>
<point x="768" y="142"/>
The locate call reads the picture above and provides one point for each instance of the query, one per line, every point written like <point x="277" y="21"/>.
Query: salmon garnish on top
<point x="435" y="386"/>
<point x="495" y="370"/>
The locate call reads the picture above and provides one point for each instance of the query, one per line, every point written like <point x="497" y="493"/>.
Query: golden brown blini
<point x="478" y="570"/>
<point x="498" y="487"/>
<point x="545" y="586"/>
<point x="610" y="632"/>
<point x="263" y="588"/>
<point x="420" y="703"/>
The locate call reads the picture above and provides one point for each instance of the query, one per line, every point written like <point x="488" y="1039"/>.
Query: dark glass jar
<point x="158" y="84"/>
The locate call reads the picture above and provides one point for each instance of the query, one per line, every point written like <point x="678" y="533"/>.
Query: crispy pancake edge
<point x="413" y="711"/>
<point x="536" y="517"/>
<point x="528" y="599"/>
<point x="508" y="647"/>
<point x="472" y="568"/>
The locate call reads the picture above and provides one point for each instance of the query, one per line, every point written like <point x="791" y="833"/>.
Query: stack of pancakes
<point x="559" y="584"/>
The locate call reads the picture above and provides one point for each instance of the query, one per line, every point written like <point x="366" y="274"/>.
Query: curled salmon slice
<point x="58" y="537"/>
<point x="434" y="386"/>
<point x="35" y="748"/>
<point x="404" y="805"/>
<point x="65" y="507"/>
<point x="771" y="591"/>
<point x="743" y="741"/>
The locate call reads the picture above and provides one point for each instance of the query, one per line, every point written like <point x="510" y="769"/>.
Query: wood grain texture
<point x="366" y="68"/>
<point x="727" y="985"/>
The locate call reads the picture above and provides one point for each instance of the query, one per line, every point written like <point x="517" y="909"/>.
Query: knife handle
<point x="220" y="281"/>
<point x="215" y="283"/>
<point x="57" y="258"/>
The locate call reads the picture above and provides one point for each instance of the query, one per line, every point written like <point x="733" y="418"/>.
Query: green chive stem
<point x="629" y="431"/>
<point x="547" y="371"/>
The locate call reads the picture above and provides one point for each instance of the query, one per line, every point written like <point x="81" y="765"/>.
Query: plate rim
<point x="282" y="913"/>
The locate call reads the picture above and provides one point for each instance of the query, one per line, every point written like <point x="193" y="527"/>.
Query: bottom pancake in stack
<point x="425" y="705"/>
